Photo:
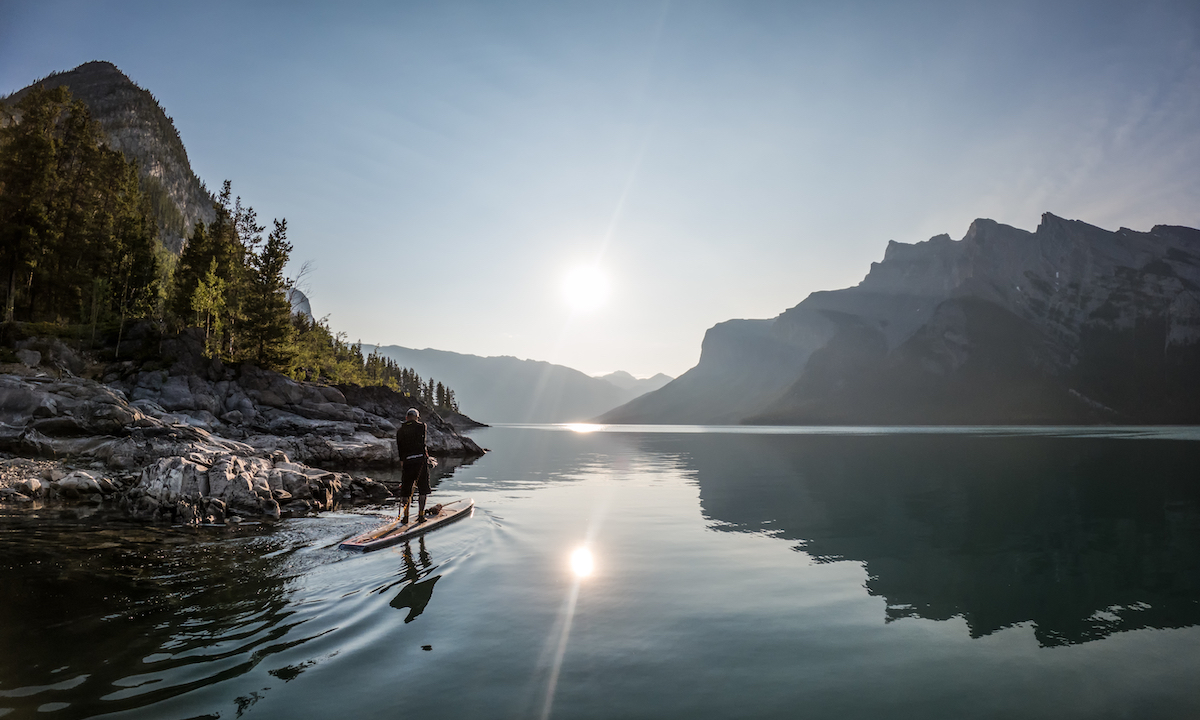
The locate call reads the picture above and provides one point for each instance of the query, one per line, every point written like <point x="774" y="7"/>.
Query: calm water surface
<point x="750" y="573"/>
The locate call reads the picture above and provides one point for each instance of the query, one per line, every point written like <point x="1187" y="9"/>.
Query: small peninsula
<point x="153" y="355"/>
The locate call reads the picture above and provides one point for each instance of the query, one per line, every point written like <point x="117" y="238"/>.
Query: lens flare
<point x="585" y="288"/>
<point x="582" y="563"/>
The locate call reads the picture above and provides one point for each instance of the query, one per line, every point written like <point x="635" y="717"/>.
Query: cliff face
<point x="137" y="126"/>
<point x="1071" y="323"/>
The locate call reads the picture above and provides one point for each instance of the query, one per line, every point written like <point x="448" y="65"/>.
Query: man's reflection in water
<point x="415" y="595"/>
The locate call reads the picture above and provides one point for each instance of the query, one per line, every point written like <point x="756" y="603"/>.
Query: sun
<point x="585" y="288"/>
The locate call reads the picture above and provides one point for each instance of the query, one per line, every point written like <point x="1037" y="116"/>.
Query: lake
<point x="737" y="572"/>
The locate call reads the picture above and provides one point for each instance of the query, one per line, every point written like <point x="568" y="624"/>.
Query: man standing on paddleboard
<point x="414" y="464"/>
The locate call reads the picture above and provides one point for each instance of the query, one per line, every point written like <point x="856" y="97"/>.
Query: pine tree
<point x="27" y="174"/>
<point x="217" y="241"/>
<point x="77" y="232"/>
<point x="268" y="313"/>
<point x="194" y="262"/>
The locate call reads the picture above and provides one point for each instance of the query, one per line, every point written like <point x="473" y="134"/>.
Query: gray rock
<point x="47" y="407"/>
<point x="200" y="418"/>
<point x="184" y="472"/>
<point x="31" y="487"/>
<point x="206" y="488"/>
<point x="332" y="394"/>
<point x="271" y="398"/>
<point x="35" y="444"/>
<point x="176" y="394"/>
<point x="13" y="496"/>
<point x="153" y="380"/>
<point x="18" y="398"/>
<point x="55" y="353"/>
<point x="31" y="358"/>
<point x="297" y="508"/>
<point x="78" y="483"/>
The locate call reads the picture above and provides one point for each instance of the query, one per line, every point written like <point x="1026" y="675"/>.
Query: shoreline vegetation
<point x="181" y="389"/>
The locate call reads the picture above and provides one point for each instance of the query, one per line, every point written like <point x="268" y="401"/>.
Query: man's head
<point x="412" y="414"/>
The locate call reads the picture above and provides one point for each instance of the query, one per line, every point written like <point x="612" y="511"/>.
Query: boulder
<point x="51" y="352"/>
<point x="208" y="487"/>
<point x="76" y="485"/>
<point x="176" y="394"/>
<point x="30" y="358"/>
<point x="31" y="487"/>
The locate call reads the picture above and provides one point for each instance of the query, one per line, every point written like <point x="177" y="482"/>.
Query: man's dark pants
<point x="414" y="472"/>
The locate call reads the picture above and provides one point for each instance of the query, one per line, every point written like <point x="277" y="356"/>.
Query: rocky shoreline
<point x="198" y="441"/>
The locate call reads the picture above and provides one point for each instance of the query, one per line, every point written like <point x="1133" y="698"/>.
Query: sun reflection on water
<point x="582" y="563"/>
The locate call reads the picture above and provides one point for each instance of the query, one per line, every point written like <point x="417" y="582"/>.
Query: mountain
<point x="509" y="390"/>
<point x="626" y="381"/>
<point x="1068" y="324"/>
<point x="136" y="125"/>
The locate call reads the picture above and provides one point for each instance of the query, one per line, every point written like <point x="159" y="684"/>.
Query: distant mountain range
<point x="137" y="126"/>
<point x="625" y="381"/>
<point x="509" y="390"/>
<point x="1068" y="324"/>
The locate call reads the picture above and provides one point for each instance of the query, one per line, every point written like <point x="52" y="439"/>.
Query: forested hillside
<point x="134" y="123"/>
<point x="82" y="251"/>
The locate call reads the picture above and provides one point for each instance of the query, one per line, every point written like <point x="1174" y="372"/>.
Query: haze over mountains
<point x="509" y="390"/>
<point x="626" y="381"/>
<point x="137" y="125"/>
<point x="1068" y="324"/>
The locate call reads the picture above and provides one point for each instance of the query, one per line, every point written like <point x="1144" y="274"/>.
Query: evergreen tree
<point x="77" y="232"/>
<point x="218" y="241"/>
<point x="27" y="175"/>
<point x="268" y="313"/>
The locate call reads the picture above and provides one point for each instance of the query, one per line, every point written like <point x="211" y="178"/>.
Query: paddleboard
<point x="393" y="532"/>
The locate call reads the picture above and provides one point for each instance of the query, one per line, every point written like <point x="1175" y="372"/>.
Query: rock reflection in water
<point x="106" y="598"/>
<point x="1080" y="536"/>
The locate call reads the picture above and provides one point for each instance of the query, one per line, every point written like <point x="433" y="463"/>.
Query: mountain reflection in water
<point x="1080" y="536"/>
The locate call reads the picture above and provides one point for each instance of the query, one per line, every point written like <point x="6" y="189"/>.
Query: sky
<point x="444" y="166"/>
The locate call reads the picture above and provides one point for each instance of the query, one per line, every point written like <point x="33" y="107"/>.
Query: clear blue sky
<point x="444" y="165"/>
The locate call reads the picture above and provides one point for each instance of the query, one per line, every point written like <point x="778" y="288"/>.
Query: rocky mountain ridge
<point x="137" y="125"/>
<point x="1067" y="324"/>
